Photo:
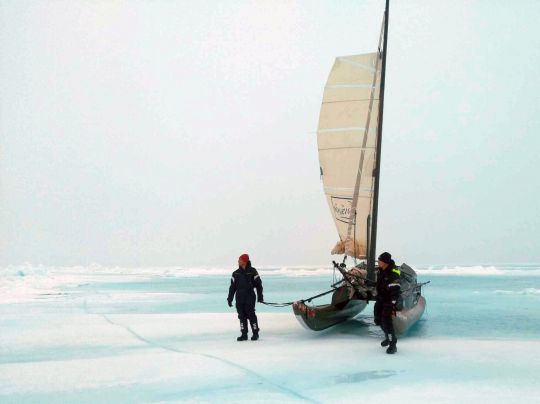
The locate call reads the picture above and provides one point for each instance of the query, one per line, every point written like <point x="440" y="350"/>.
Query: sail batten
<point x="362" y="66"/>
<point x="353" y="129"/>
<point x="350" y="86"/>
<point x="347" y="142"/>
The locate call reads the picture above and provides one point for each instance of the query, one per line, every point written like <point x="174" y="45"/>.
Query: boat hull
<point x="346" y="304"/>
<point x="407" y="317"/>
<point x="318" y="318"/>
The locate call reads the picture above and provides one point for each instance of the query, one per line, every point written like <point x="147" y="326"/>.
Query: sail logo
<point x="342" y="208"/>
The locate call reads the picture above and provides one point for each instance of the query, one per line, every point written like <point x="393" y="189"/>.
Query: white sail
<point x="347" y="137"/>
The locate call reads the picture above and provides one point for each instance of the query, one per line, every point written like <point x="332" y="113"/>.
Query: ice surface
<point x="96" y="334"/>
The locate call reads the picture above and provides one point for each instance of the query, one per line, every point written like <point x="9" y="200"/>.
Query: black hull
<point x="321" y="317"/>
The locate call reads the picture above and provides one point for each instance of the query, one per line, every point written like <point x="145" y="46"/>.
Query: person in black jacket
<point x="243" y="281"/>
<point x="388" y="291"/>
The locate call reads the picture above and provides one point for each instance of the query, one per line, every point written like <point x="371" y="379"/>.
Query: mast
<point x="377" y="172"/>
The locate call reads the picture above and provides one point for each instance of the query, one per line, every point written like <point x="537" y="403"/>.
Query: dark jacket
<point x="388" y="286"/>
<point x="243" y="281"/>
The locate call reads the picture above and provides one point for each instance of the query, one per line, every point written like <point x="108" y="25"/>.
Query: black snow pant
<point x="245" y="306"/>
<point x="382" y="314"/>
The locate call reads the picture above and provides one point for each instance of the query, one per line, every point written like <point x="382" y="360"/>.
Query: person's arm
<point x="394" y="288"/>
<point x="258" y="285"/>
<point x="232" y="291"/>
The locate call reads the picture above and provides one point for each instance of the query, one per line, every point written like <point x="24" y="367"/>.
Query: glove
<point x="369" y="282"/>
<point x="260" y="299"/>
<point x="394" y="308"/>
<point x="230" y="302"/>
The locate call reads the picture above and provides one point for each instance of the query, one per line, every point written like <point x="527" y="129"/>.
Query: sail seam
<point x="349" y="129"/>
<point x="364" y="99"/>
<point x="348" y="147"/>
<point x="343" y="189"/>
<point x="358" y="197"/>
<point x="350" y="86"/>
<point x="366" y="67"/>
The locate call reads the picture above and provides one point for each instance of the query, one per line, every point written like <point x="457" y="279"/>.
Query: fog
<point x="183" y="133"/>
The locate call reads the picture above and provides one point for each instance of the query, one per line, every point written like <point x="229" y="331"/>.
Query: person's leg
<point x="240" y="309"/>
<point x="250" y="311"/>
<point x="377" y="316"/>
<point x="377" y="312"/>
<point x="388" y="327"/>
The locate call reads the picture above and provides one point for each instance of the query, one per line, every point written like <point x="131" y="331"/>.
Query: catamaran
<point x="349" y="138"/>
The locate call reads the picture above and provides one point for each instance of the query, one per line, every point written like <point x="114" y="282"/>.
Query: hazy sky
<point x="183" y="132"/>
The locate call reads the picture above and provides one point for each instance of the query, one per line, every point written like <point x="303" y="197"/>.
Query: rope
<point x="278" y="304"/>
<point x="354" y="238"/>
<point x="417" y="286"/>
<point x="309" y="299"/>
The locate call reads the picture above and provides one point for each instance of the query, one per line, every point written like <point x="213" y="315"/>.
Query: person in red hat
<point x="243" y="281"/>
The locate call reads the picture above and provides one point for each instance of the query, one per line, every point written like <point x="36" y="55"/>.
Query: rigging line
<point x="271" y="304"/>
<point x="364" y="142"/>
<point x="308" y="299"/>
<point x="346" y="280"/>
<point x="414" y="287"/>
<point x="354" y="237"/>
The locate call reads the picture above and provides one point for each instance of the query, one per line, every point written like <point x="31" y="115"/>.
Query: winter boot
<point x="255" y="329"/>
<point x="392" y="349"/>
<point x="386" y="341"/>
<point x="244" y="331"/>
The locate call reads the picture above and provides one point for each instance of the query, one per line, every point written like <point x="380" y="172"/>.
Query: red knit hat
<point x="243" y="258"/>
